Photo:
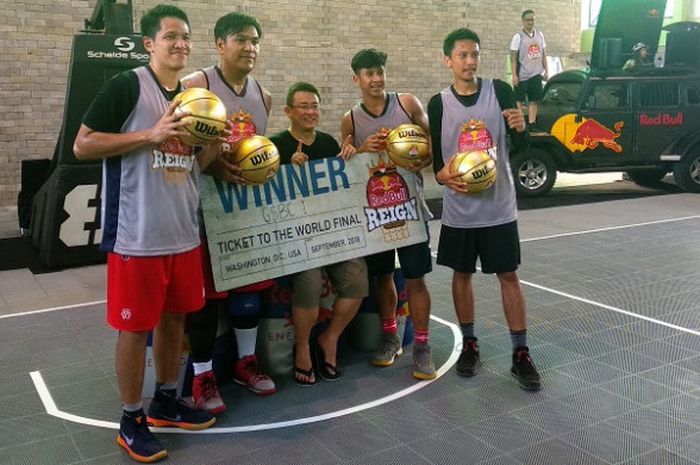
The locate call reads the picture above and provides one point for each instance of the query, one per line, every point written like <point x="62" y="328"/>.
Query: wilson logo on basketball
<point x="261" y="157"/>
<point x="411" y="133"/>
<point x="480" y="173"/>
<point x="203" y="128"/>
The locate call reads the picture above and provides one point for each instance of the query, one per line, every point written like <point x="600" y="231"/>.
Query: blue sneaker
<point x="138" y="441"/>
<point x="166" y="410"/>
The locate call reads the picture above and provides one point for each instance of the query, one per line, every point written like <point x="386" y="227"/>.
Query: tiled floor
<point x="614" y="326"/>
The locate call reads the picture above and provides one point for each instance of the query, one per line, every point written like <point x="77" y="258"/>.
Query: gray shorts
<point x="348" y="278"/>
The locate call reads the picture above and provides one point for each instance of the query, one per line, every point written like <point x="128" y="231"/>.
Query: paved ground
<point x="612" y="293"/>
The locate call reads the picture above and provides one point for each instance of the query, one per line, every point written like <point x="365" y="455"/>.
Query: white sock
<point x="201" y="367"/>
<point x="245" y="340"/>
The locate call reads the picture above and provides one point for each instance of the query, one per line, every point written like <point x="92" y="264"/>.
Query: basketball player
<point x="479" y="114"/>
<point x="237" y="39"/>
<point x="367" y="123"/>
<point x="299" y="144"/>
<point x="528" y="62"/>
<point x="153" y="264"/>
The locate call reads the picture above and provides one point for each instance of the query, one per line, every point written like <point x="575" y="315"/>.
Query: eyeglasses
<point x="307" y="107"/>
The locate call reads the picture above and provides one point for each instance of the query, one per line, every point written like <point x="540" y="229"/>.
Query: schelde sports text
<point x="315" y="178"/>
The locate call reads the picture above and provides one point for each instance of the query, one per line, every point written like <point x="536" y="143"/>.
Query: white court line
<point x="611" y="228"/>
<point x="599" y="304"/>
<point x="53" y="410"/>
<point x="610" y="307"/>
<point x="52" y="309"/>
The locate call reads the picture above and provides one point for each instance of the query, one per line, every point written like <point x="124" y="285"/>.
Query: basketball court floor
<point x="613" y="292"/>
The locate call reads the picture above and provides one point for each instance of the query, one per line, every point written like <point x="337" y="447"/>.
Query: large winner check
<point x="323" y="212"/>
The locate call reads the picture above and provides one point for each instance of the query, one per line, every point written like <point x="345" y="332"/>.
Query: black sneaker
<point x="167" y="410"/>
<point x="469" y="358"/>
<point x="138" y="441"/>
<point x="524" y="370"/>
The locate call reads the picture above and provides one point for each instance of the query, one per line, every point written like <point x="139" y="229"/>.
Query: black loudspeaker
<point x="683" y="48"/>
<point x="65" y="223"/>
<point x="610" y="53"/>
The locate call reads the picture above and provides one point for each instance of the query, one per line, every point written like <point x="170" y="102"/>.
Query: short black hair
<point x="150" y="21"/>
<point x="458" y="34"/>
<point x="233" y="23"/>
<point x="368" y="58"/>
<point x="525" y="13"/>
<point x="300" y="87"/>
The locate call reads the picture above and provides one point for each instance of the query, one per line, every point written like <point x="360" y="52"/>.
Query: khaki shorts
<point x="348" y="278"/>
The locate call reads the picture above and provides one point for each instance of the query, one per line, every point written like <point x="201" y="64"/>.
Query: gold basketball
<point x="208" y="115"/>
<point x="407" y="145"/>
<point x="477" y="168"/>
<point x="258" y="158"/>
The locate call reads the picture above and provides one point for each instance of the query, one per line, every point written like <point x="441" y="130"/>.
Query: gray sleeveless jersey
<point x="150" y="195"/>
<point x="530" y="54"/>
<point x="250" y="101"/>
<point x="365" y="124"/>
<point x="478" y="127"/>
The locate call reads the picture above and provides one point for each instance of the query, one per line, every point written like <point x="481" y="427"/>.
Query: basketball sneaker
<point x="389" y="349"/>
<point x="423" y="366"/>
<point x="469" y="358"/>
<point x="169" y="410"/>
<point x="524" y="370"/>
<point x="138" y="441"/>
<point x="205" y="393"/>
<point x="248" y="373"/>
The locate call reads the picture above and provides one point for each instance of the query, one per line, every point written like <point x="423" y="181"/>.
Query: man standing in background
<point x="528" y="63"/>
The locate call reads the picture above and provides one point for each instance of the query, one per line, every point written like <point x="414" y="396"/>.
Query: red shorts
<point x="209" y="291"/>
<point x="140" y="289"/>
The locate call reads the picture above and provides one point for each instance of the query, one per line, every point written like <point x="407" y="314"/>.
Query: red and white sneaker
<point x="205" y="393"/>
<point x="248" y="373"/>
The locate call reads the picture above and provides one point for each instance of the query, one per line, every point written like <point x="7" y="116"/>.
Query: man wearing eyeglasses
<point x="237" y="39"/>
<point x="299" y="144"/>
<point x="528" y="61"/>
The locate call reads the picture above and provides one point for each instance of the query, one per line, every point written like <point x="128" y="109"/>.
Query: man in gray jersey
<point x="475" y="114"/>
<point x="237" y="39"/>
<point x="366" y="126"/>
<point x="528" y="62"/>
<point x="153" y="277"/>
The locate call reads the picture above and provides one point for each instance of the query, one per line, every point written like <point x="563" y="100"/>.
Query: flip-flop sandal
<point x="298" y="372"/>
<point x="326" y="371"/>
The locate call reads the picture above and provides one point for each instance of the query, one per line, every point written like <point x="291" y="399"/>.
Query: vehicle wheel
<point x="534" y="173"/>
<point x="686" y="172"/>
<point x="647" y="178"/>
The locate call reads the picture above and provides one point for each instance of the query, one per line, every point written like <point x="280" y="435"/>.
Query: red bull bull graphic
<point x="586" y="134"/>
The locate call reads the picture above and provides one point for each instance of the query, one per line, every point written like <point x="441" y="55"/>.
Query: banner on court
<point x="323" y="212"/>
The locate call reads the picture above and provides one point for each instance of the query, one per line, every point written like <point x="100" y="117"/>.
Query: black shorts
<point x="497" y="247"/>
<point x="415" y="261"/>
<point x="530" y="88"/>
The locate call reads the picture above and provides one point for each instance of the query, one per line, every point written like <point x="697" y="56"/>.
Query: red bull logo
<point x="242" y="126"/>
<point x="388" y="197"/>
<point x="586" y="134"/>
